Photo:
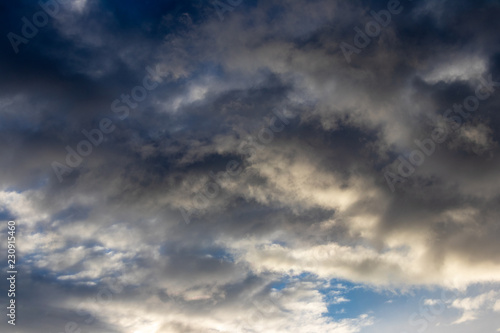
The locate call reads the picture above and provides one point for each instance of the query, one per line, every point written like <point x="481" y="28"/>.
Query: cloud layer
<point x="250" y="166"/>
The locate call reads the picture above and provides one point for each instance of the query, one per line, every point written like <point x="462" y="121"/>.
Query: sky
<point x="250" y="166"/>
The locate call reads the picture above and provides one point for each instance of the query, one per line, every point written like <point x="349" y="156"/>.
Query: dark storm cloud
<point x="316" y="200"/>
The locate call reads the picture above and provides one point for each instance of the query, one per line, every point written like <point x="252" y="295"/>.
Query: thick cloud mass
<point x="251" y="166"/>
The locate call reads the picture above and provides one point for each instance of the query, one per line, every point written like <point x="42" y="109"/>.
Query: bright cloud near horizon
<point x="251" y="166"/>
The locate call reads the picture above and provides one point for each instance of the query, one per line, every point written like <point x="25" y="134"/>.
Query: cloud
<point x="472" y="306"/>
<point x="269" y="89"/>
